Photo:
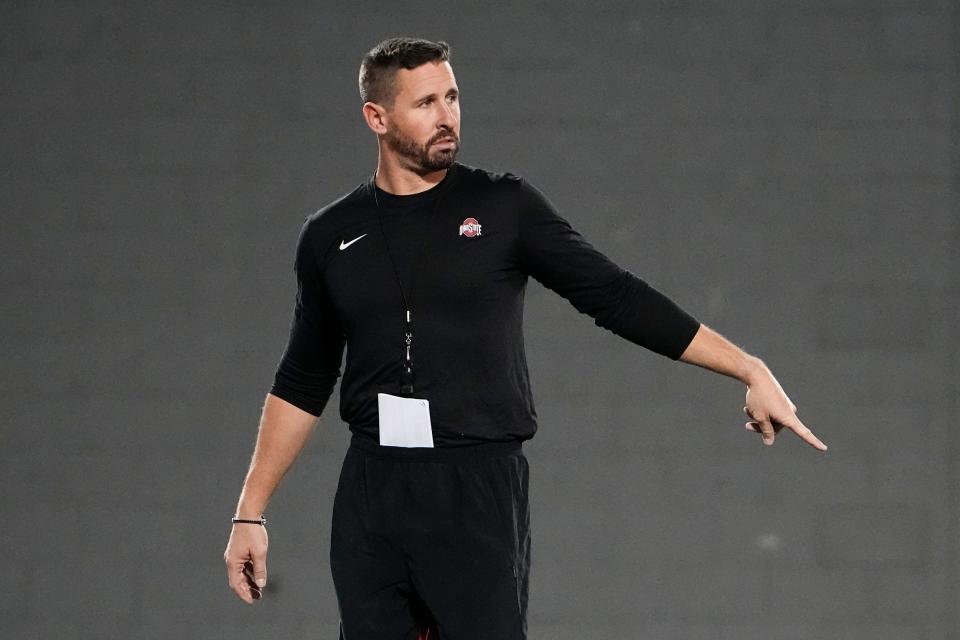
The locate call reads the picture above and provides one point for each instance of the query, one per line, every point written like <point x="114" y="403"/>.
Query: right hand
<point x="246" y="558"/>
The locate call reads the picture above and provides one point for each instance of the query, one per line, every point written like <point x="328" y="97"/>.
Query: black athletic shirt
<point x="467" y="302"/>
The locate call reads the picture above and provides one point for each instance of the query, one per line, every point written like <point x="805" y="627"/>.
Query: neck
<point x="402" y="181"/>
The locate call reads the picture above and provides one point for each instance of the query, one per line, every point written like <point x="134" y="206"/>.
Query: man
<point x="421" y="273"/>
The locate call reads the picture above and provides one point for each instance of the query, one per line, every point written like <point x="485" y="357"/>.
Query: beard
<point x="423" y="159"/>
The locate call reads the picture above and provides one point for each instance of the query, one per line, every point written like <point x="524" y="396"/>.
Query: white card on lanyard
<point x="404" y="422"/>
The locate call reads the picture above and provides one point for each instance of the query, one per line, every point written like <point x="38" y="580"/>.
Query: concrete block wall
<point x="787" y="171"/>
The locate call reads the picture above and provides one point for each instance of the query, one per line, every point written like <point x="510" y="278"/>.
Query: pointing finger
<point x="801" y="430"/>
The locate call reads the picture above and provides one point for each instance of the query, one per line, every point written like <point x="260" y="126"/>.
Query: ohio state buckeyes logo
<point x="470" y="228"/>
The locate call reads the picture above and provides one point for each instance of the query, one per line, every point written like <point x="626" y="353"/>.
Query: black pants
<point x="432" y="538"/>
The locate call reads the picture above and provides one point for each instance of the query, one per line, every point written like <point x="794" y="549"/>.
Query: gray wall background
<point x="787" y="171"/>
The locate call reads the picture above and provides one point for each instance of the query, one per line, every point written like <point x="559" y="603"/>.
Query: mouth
<point x="446" y="142"/>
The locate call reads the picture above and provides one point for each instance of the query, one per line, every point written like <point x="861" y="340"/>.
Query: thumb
<point x="259" y="559"/>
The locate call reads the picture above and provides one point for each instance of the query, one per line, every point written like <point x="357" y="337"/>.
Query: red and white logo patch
<point x="470" y="228"/>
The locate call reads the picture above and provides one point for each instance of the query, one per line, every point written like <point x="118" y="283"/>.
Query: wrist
<point x="248" y="512"/>
<point x="753" y="371"/>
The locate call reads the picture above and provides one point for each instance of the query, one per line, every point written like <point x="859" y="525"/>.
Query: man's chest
<point x="453" y="258"/>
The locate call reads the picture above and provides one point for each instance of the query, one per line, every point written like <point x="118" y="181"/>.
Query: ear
<point x="375" y="117"/>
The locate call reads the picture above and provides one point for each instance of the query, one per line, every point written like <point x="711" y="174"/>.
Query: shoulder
<point x="474" y="177"/>
<point x="509" y="189"/>
<point x="321" y="225"/>
<point x="505" y="184"/>
<point x="340" y="210"/>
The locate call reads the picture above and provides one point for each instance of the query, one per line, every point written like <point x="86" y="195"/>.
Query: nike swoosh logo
<point x="344" y="245"/>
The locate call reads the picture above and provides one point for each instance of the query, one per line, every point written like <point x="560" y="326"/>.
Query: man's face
<point x="423" y="125"/>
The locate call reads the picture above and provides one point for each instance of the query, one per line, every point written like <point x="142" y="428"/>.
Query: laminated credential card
<point x="404" y="422"/>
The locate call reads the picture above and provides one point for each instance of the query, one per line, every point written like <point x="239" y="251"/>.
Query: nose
<point x="447" y="117"/>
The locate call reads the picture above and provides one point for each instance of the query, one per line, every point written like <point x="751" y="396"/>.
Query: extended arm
<point x="766" y="403"/>
<point x="559" y="257"/>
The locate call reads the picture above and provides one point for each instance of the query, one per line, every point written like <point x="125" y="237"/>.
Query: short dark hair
<point x="379" y="67"/>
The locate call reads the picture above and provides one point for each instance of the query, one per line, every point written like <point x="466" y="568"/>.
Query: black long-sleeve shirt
<point x="466" y="295"/>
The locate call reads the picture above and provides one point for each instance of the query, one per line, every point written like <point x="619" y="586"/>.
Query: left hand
<point x="770" y="411"/>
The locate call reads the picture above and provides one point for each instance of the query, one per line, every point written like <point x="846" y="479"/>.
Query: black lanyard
<point x="406" y="382"/>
